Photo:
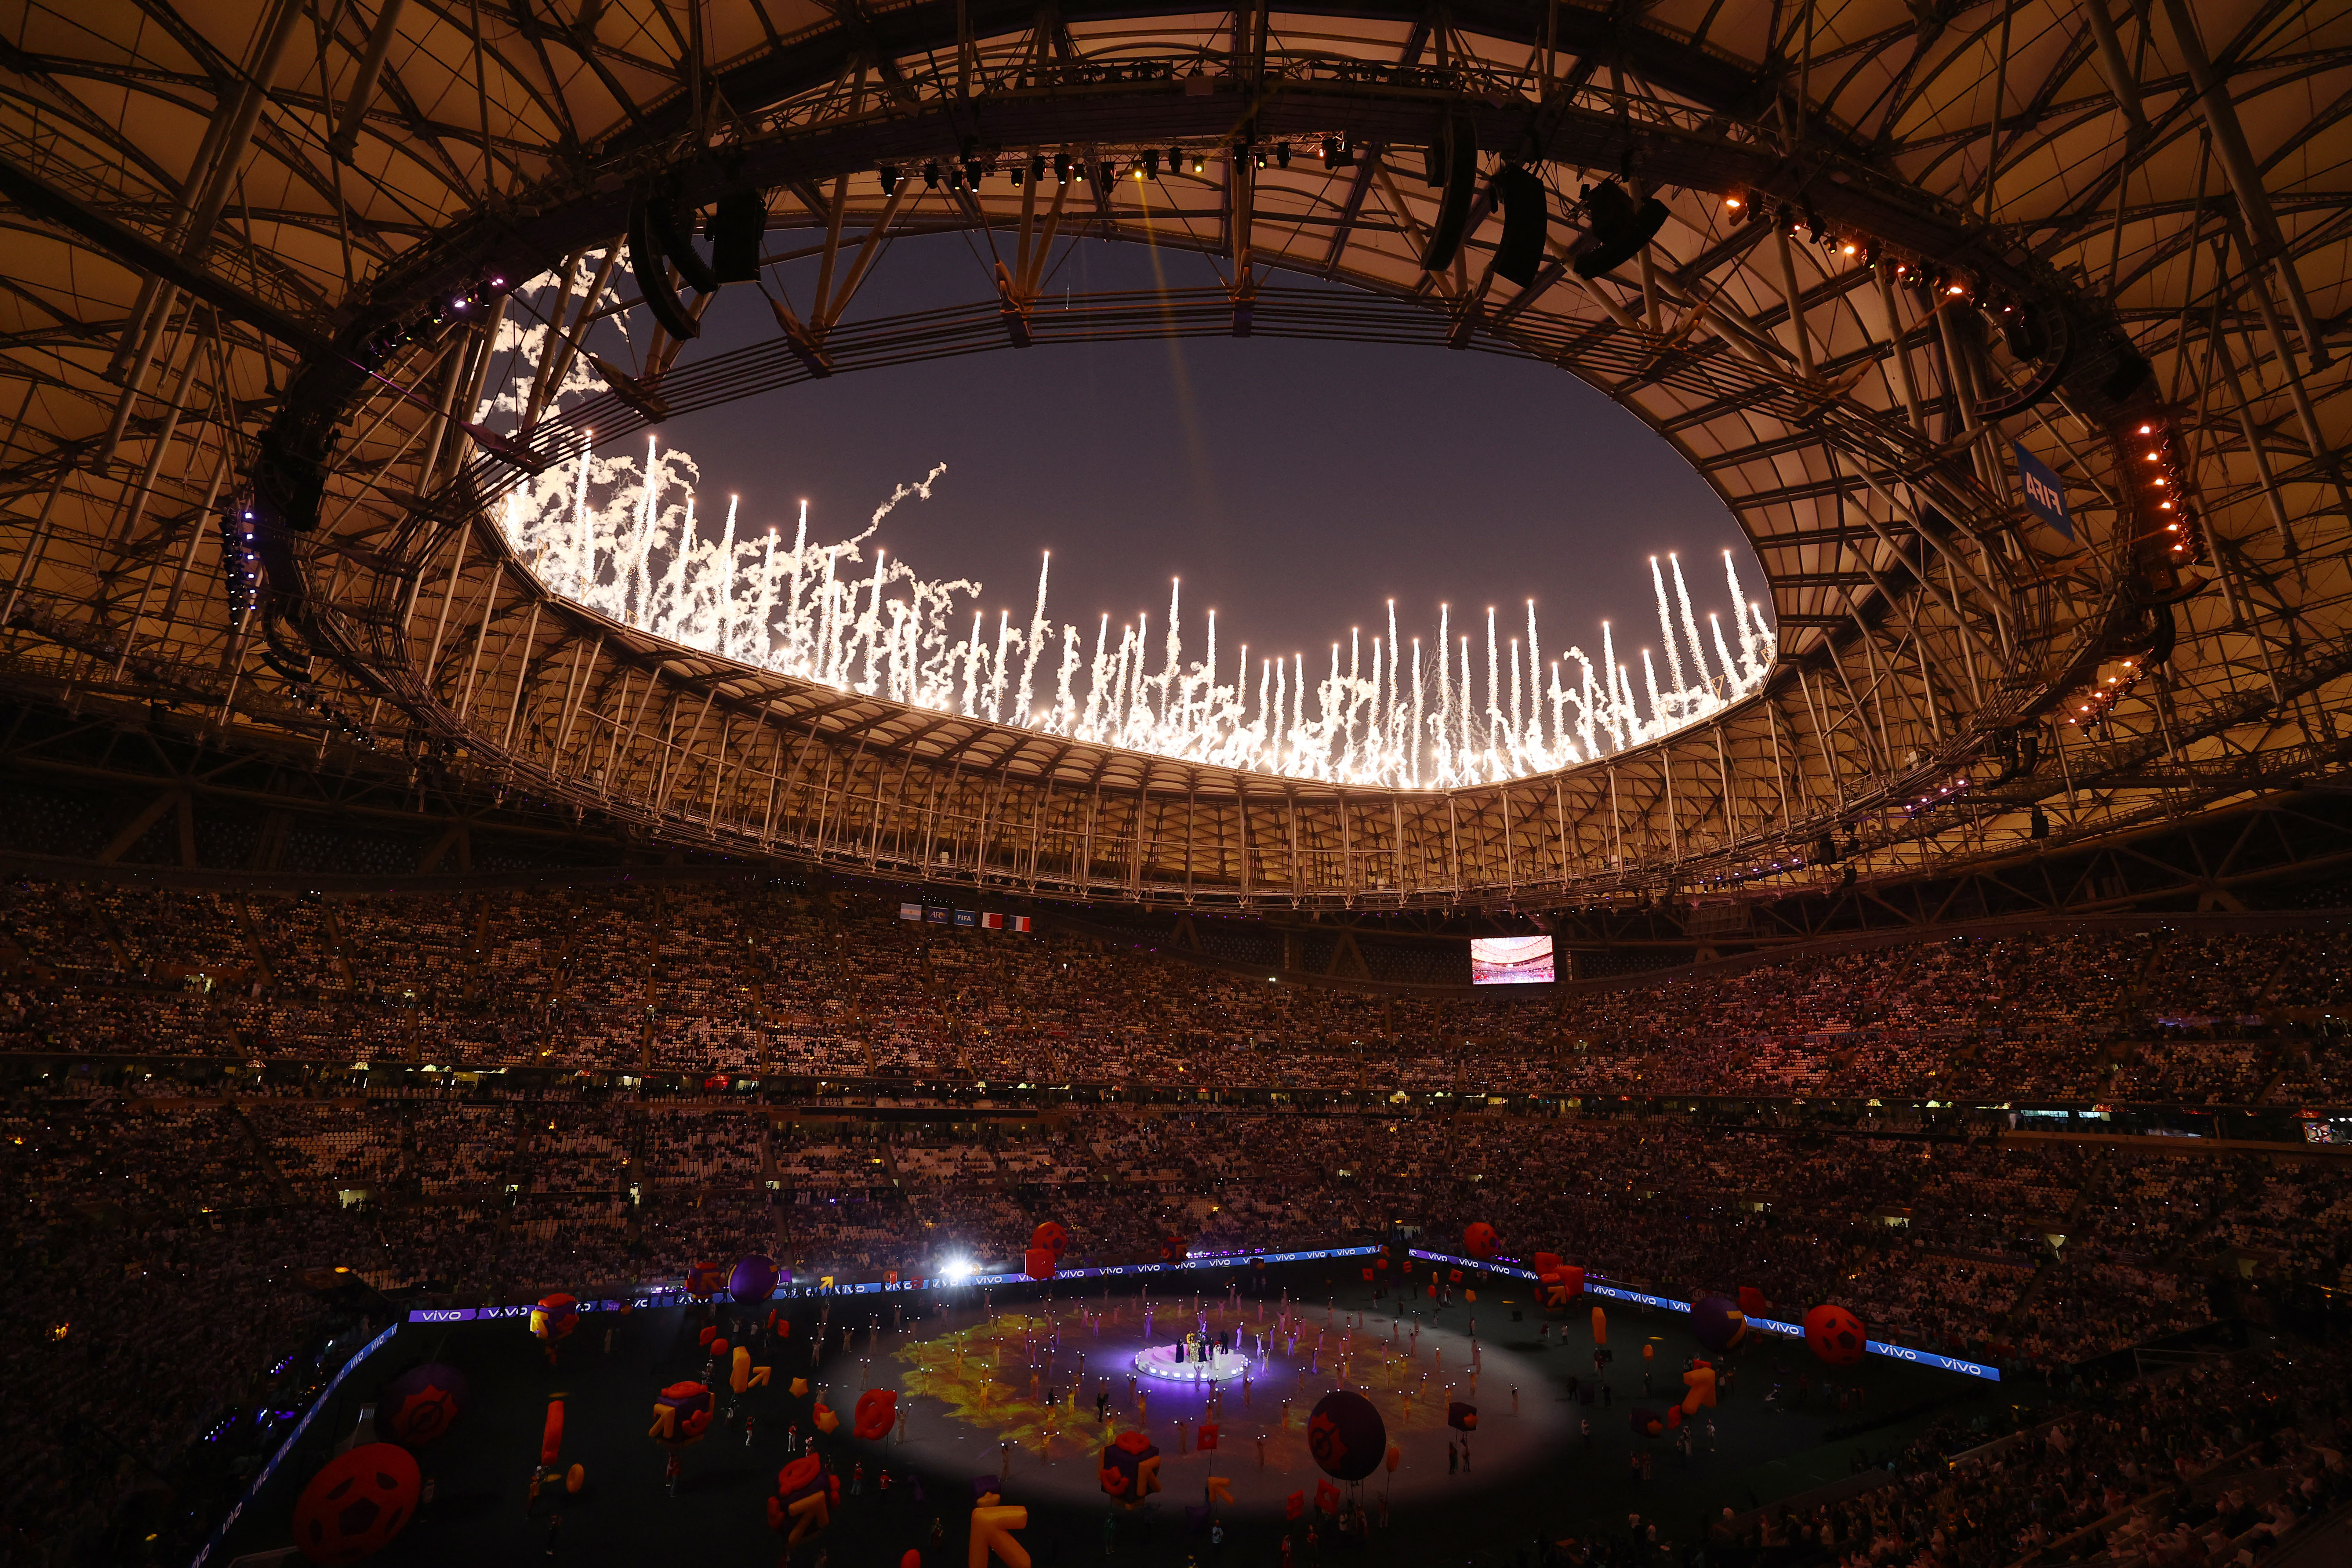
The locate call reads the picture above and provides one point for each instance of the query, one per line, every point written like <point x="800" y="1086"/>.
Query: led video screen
<point x="1510" y="961"/>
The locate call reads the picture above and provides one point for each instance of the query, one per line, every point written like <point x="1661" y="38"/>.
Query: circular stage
<point x="1036" y="1393"/>
<point x="1170" y="1364"/>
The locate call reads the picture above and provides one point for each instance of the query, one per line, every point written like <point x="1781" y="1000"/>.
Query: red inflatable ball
<point x="1050" y="1236"/>
<point x="356" y="1503"/>
<point x="1346" y="1435"/>
<point x="1835" y="1336"/>
<point x="912" y="1559"/>
<point x="418" y="1406"/>
<point x="704" y="1281"/>
<point x="1478" y="1240"/>
<point x="1038" y="1263"/>
<point x="876" y="1409"/>
<point x="1543" y="1263"/>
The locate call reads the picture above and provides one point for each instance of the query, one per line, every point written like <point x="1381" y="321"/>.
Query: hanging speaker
<point x="674" y="232"/>
<point x="2168" y="630"/>
<point x="2129" y="374"/>
<point x="1456" y="143"/>
<point x="651" y="269"/>
<point x="1616" y="229"/>
<point x="737" y="225"/>
<point x="1526" y="215"/>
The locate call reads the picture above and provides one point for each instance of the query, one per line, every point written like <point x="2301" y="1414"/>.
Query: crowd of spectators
<point x="748" y="979"/>
<point x="2038" y="1250"/>
<point x="166" y="1250"/>
<point x="2214" y="1465"/>
<point x="178" y="1241"/>
<point x="166" y="1253"/>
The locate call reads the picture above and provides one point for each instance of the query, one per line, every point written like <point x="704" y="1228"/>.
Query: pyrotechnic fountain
<point x="623" y="538"/>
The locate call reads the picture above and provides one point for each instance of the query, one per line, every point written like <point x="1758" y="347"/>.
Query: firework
<point x="620" y="536"/>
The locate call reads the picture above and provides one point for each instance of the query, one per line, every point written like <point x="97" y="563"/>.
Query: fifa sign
<point x="2045" y="493"/>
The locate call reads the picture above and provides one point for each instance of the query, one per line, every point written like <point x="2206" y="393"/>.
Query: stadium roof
<point x="1901" y="241"/>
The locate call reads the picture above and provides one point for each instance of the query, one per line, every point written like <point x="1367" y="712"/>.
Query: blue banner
<point x="1769" y="1325"/>
<point x="2045" y="492"/>
<point x="791" y="1292"/>
<point x="1593" y="1285"/>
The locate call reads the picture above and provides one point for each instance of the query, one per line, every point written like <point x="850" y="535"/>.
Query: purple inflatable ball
<point x="416" y="1407"/>
<point x="755" y="1277"/>
<point x="1347" y="1436"/>
<point x="1717" y="1322"/>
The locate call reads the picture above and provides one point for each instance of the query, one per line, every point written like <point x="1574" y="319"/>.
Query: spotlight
<point x="1103" y="171"/>
<point x="1175" y="159"/>
<point x="1282" y="154"/>
<point x="890" y="178"/>
<point x="1061" y="168"/>
<point x="931" y="175"/>
<point x="1037" y="168"/>
<point x="2038" y="826"/>
<point x="1200" y="163"/>
<point x="1335" y="153"/>
<point x="1014" y="174"/>
<point x="1150" y="163"/>
<point x="1734" y="203"/>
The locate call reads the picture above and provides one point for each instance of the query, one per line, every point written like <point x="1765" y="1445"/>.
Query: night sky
<point x="1294" y="486"/>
